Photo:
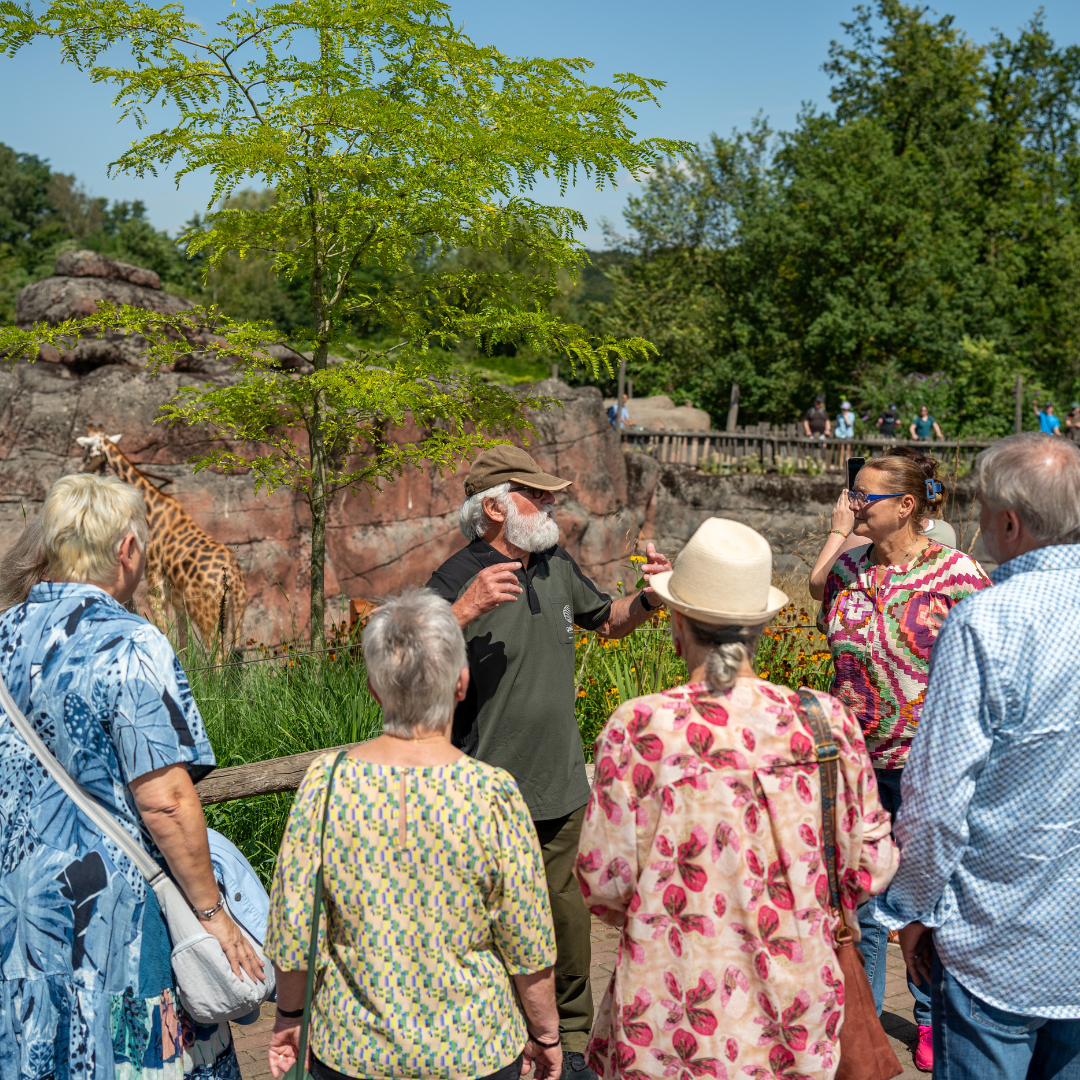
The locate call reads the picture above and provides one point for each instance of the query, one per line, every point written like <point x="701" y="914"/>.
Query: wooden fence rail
<point x="778" y="446"/>
<point x="267" y="777"/>
<point x="259" y="778"/>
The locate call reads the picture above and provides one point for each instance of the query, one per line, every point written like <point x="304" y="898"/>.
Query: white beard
<point x="530" y="532"/>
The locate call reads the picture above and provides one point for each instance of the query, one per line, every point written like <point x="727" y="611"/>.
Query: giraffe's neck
<point x="156" y="502"/>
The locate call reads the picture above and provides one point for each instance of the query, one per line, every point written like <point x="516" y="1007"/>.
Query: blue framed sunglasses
<point x="859" y="499"/>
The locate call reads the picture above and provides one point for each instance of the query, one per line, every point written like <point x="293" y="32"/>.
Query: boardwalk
<point x="251" y="1042"/>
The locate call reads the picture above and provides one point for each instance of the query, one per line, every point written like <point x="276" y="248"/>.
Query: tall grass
<point x="289" y="703"/>
<point x="283" y="705"/>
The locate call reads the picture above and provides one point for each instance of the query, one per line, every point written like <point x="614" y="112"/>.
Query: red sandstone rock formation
<point x="375" y="545"/>
<point x="81" y="279"/>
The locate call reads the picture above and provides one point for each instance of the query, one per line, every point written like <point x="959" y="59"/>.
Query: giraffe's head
<point x="93" y="445"/>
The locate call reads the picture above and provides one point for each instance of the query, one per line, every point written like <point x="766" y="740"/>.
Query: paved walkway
<point x="252" y="1041"/>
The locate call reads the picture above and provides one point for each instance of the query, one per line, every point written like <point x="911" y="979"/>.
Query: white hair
<point x="84" y="521"/>
<point x="1037" y="476"/>
<point x="414" y="651"/>
<point x="727" y="648"/>
<point x="472" y="520"/>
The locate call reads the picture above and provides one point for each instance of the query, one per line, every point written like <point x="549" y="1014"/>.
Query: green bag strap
<point x="828" y="754"/>
<point x="298" y="1069"/>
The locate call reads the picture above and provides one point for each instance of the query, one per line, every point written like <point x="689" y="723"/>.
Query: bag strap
<point x="103" y="818"/>
<point x="316" y="914"/>
<point x="828" y="753"/>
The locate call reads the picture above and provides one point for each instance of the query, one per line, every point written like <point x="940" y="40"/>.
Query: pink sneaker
<point x="924" y="1051"/>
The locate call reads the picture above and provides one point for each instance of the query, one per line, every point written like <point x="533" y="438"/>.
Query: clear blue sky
<point x="723" y="61"/>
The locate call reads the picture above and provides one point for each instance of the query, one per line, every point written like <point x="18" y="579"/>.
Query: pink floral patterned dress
<point x="702" y="841"/>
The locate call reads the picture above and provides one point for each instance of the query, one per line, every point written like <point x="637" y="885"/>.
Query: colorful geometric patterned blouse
<point x="703" y="843"/>
<point x="881" y="625"/>
<point x="429" y="915"/>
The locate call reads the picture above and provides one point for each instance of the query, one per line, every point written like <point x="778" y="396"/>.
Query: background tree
<point x="29" y="223"/>
<point x="390" y="140"/>
<point x="928" y="224"/>
<point x="43" y="213"/>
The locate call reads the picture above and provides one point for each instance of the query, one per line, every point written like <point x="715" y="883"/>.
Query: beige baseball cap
<point x="504" y="464"/>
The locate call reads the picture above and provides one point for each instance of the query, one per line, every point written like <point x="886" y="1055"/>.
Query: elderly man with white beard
<point x="517" y="596"/>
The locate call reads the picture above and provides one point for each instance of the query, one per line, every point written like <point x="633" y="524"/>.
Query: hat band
<point x="690" y="603"/>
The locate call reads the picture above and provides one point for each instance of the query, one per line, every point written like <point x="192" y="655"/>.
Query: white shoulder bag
<point x="207" y="987"/>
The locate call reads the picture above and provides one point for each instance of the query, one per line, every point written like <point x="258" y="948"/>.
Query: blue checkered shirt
<point x="989" y="826"/>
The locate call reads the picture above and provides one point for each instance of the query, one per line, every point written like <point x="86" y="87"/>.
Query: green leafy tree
<point x="935" y="203"/>
<point x="391" y="139"/>
<point x="250" y="289"/>
<point x="29" y="224"/>
<point x="43" y="213"/>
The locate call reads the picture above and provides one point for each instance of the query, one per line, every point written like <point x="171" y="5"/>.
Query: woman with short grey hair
<point x="436" y="902"/>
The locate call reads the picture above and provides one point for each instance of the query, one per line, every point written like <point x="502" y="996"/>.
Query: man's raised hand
<point x="655" y="563"/>
<point x="494" y="585"/>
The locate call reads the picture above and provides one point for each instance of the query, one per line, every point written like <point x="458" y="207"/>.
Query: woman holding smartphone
<point x="883" y="604"/>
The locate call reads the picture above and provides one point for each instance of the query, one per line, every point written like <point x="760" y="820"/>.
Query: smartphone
<point x="854" y="464"/>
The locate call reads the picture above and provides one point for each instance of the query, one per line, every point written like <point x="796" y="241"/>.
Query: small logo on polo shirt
<point x="567" y="614"/>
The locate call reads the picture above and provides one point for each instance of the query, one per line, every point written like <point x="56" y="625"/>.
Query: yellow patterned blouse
<point x="429" y="914"/>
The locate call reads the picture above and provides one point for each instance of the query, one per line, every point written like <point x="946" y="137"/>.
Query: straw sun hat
<point x="723" y="577"/>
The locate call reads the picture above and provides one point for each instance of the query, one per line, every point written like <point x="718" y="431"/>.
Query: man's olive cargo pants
<point x="573" y="931"/>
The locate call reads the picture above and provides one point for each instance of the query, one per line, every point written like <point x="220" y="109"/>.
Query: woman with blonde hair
<point x="86" y="985"/>
<point x="883" y="605"/>
<point x="704" y="842"/>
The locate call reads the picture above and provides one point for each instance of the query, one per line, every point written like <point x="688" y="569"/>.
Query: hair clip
<point x="933" y="487"/>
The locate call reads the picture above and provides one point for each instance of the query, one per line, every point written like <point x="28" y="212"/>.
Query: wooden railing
<point x="268" y="777"/>
<point x="778" y="446"/>
<point x="260" y="777"/>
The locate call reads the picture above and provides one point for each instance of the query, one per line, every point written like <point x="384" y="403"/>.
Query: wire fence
<point x="290" y="654"/>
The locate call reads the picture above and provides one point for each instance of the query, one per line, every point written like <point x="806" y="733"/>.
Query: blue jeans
<point x="875" y="938"/>
<point x="976" y="1041"/>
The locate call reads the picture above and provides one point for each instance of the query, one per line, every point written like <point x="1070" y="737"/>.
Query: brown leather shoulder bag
<point x="865" y="1051"/>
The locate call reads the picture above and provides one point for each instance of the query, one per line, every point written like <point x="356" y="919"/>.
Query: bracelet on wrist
<point x="645" y="603"/>
<point x="290" y="1014"/>
<point x="209" y="913"/>
<point x="545" y="1045"/>
<point x="845" y="535"/>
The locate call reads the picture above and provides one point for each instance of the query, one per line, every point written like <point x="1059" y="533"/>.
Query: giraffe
<point x="205" y="581"/>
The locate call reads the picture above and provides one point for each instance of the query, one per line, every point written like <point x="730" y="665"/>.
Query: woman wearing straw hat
<point x="702" y="841"/>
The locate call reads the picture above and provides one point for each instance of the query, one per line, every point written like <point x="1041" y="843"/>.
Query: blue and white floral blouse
<point x="85" y="978"/>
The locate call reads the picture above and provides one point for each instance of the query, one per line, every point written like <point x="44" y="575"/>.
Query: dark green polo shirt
<point x="519" y="712"/>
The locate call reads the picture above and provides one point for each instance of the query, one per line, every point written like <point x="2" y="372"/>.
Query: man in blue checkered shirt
<point x="988" y="891"/>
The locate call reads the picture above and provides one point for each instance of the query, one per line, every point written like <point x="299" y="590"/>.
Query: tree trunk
<point x="316" y="435"/>
<point x="317" y="503"/>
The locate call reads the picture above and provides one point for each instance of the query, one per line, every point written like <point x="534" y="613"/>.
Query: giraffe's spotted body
<point x="198" y="569"/>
